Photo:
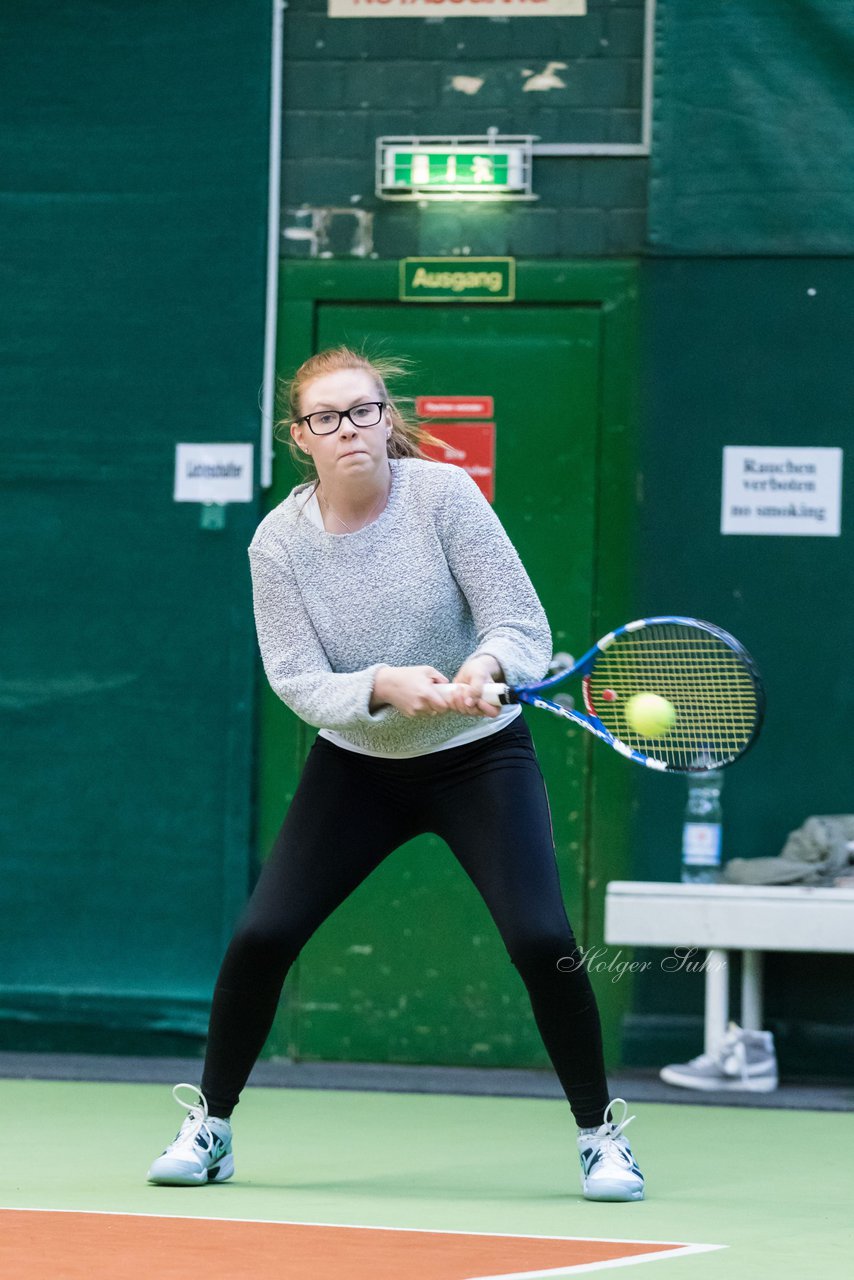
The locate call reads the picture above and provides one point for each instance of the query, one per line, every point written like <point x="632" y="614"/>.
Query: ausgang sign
<point x="457" y="279"/>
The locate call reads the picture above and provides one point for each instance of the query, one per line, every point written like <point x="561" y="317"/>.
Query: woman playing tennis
<point x="382" y="579"/>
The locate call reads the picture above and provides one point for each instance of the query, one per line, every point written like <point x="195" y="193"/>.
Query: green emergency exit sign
<point x="454" y="168"/>
<point x="477" y="170"/>
<point x="457" y="279"/>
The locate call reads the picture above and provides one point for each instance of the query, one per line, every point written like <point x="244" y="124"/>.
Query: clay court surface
<point x="349" y="1185"/>
<point x="86" y="1246"/>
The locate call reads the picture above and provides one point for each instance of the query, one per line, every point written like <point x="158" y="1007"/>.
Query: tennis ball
<point x="649" y="715"/>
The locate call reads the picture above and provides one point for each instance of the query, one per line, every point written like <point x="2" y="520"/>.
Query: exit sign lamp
<point x="465" y="167"/>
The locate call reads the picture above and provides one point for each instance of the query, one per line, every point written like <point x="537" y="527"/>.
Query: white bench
<point x="728" y="917"/>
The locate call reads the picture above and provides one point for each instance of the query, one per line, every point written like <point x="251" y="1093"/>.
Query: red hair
<point x="407" y="436"/>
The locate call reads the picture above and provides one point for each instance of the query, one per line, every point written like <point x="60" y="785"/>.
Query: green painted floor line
<point x="775" y="1187"/>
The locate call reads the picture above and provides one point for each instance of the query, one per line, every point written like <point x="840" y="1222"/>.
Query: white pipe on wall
<point x="273" y="223"/>
<point x="641" y="148"/>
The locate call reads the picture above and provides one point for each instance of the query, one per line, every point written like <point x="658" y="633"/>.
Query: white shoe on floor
<point x="744" y="1061"/>
<point x="201" y="1152"/>
<point x="609" y="1171"/>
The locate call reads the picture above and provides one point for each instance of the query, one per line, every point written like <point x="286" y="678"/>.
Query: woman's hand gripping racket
<point x="674" y="694"/>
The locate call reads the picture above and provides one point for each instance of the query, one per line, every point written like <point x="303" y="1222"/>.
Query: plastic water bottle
<point x="701" y="832"/>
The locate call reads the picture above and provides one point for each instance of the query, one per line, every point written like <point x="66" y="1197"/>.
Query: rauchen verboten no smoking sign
<point x="773" y="489"/>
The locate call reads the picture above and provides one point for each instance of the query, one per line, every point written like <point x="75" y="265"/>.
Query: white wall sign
<point x="456" y="8"/>
<point x="213" y="473"/>
<point x="771" y="489"/>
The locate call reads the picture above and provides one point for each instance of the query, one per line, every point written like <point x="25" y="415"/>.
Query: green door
<point x="411" y="968"/>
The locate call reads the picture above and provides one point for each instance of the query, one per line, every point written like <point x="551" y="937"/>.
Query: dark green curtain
<point x="133" y="192"/>
<point x="753" y="148"/>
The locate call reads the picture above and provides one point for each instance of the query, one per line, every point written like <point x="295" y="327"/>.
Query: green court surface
<point x="776" y="1188"/>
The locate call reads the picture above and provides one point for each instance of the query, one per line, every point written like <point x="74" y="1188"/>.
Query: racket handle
<point x="492" y="693"/>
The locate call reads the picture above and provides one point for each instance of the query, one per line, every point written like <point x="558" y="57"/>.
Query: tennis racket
<point x="709" y="679"/>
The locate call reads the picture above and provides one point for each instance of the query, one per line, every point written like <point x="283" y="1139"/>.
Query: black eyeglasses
<point x="326" y="421"/>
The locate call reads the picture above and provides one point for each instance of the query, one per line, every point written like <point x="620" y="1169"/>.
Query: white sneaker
<point x="608" y="1168"/>
<point x="744" y="1061"/>
<point x="201" y="1152"/>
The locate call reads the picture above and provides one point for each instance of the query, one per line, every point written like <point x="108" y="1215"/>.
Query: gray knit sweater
<point x="432" y="580"/>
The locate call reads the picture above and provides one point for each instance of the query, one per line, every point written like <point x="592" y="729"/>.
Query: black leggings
<point x="487" y="799"/>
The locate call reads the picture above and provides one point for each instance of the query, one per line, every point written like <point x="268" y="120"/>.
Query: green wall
<point x="133" y="190"/>
<point x="749" y="183"/>
<point x="133" y="204"/>
<point x="745" y="299"/>
<point x="739" y="352"/>
<point x="753" y="150"/>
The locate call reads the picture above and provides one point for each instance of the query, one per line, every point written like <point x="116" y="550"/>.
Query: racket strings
<point x="710" y="686"/>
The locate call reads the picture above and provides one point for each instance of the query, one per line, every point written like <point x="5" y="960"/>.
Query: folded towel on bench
<point x="821" y="852"/>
